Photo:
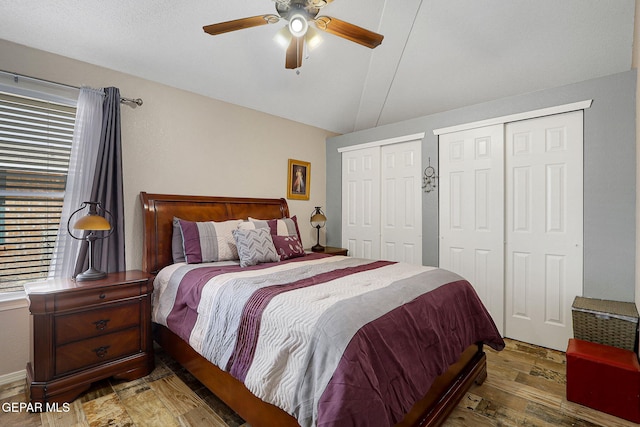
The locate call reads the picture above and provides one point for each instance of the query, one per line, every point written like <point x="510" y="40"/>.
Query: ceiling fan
<point x="299" y="13"/>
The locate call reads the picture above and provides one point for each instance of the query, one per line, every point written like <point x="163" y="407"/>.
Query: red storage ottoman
<point x="604" y="378"/>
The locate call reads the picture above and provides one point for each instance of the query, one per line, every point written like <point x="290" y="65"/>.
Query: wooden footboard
<point x="448" y="389"/>
<point x="431" y="411"/>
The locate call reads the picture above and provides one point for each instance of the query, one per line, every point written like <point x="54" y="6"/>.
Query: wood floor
<point x="525" y="387"/>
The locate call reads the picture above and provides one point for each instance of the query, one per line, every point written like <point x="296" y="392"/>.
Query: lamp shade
<point x="318" y="219"/>
<point x="92" y="222"/>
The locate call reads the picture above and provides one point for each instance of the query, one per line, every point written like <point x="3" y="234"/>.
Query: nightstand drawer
<point x="94" y="351"/>
<point x="93" y="323"/>
<point x="88" y="297"/>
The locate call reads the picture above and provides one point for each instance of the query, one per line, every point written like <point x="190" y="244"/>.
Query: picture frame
<point x="299" y="180"/>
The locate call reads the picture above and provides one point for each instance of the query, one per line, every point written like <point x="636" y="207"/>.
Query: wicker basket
<point x="606" y="322"/>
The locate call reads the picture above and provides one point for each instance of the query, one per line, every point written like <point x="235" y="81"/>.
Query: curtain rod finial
<point x="137" y="101"/>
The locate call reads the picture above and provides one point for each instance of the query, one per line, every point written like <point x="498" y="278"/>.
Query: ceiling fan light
<point x="298" y="25"/>
<point x="283" y="37"/>
<point x="312" y="38"/>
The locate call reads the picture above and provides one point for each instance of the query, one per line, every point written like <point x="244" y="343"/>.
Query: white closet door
<point x="544" y="227"/>
<point x="401" y="207"/>
<point x="471" y="207"/>
<point x="361" y="202"/>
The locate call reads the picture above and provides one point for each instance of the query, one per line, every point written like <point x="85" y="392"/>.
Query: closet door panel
<point x="471" y="206"/>
<point x="401" y="209"/>
<point x="544" y="167"/>
<point x="361" y="202"/>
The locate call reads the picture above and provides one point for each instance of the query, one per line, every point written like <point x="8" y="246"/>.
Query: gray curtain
<point x="108" y="190"/>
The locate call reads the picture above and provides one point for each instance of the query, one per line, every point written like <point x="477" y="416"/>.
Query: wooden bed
<point x="159" y="211"/>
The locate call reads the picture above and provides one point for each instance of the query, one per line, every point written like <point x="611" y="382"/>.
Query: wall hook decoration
<point x="429" y="179"/>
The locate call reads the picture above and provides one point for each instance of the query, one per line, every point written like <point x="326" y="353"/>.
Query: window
<point x="35" y="145"/>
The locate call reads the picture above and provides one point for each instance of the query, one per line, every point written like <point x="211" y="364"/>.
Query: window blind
<point x="35" y="146"/>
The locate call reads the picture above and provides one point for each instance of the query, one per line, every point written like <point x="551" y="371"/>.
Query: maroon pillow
<point x="287" y="246"/>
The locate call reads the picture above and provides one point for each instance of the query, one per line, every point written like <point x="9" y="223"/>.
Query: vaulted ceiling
<point x="436" y="55"/>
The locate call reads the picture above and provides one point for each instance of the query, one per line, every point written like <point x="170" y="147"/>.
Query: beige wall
<point x="181" y="143"/>
<point x="14" y="342"/>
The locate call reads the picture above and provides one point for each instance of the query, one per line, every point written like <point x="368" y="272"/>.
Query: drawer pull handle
<point x="103" y="296"/>
<point x="101" y="352"/>
<point x="101" y="324"/>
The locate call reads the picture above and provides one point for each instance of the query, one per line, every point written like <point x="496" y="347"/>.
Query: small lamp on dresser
<point x="94" y="223"/>
<point x="318" y="220"/>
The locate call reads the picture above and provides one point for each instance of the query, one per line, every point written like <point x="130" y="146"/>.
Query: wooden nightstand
<point x="87" y="331"/>
<point x="329" y="250"/>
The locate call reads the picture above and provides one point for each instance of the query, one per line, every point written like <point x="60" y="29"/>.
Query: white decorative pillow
<point x="255" y="246"/>
<point x="209" y="241"/>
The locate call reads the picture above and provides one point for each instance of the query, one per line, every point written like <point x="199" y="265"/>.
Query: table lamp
<point x="318" y="220"/>
<point x="92" y="222"/>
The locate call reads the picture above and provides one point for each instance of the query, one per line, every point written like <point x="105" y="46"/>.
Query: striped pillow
<point x="278" y="227"/>
<point x="208" y="241"/>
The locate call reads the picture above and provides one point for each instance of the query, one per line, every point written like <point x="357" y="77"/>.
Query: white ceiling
<point x="437" y="55"/>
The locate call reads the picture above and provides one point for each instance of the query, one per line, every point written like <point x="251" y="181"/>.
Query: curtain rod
<point x="16" y="77"/>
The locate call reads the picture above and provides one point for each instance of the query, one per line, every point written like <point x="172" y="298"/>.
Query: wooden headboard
<point x="160" y="209"/>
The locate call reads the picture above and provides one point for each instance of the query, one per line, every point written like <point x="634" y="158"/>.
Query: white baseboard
<point x="13" y="377"/>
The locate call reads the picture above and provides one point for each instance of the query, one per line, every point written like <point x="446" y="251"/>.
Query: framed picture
<point x="299" y="180"/>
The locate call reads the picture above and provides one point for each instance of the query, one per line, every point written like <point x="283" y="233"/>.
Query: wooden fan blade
<point x="240" y="24"/>
<point x="294" y="53"/>
<point x="349" y="31"/>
